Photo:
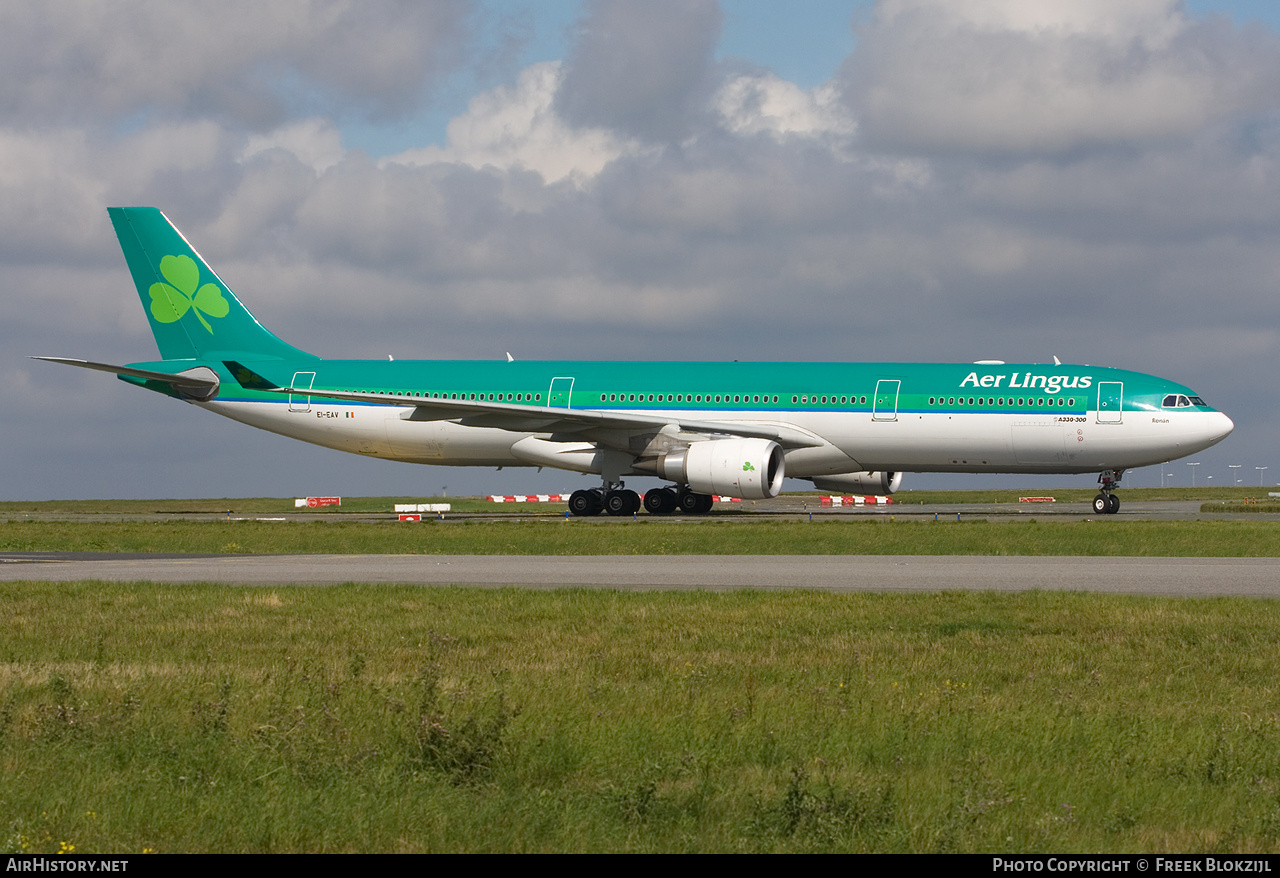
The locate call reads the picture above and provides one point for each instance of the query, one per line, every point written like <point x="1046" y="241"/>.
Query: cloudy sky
<point x="900" y="180"/>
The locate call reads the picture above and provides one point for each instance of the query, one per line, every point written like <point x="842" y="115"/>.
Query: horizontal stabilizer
<point x="199" y="383"/>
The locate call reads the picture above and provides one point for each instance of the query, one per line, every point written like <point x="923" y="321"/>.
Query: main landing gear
<point x="672" y="499"/>
<point x="617" y="500"/>
<point x="1107" y="503"/>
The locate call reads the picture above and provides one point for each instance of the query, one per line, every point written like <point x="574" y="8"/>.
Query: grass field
<point x="878" y="535"/>
<point x="1086" y="495"/>
<point x="1256" y="506"/>
<point x="364" y="505"/>
<point x="145" y="717"/>
<point x="254" y="506"/>
<point x="142" y="717"/>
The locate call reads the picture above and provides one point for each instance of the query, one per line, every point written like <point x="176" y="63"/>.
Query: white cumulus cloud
<point x="315" y="142"/>
<point x="1025" y="76"/>
<point x="518" y="127"/>
<point x="755" y="104"/>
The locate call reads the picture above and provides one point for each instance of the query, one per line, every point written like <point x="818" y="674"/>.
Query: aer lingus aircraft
<point x="707" y="428"/>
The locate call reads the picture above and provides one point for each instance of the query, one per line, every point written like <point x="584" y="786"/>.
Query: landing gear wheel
<point x="704" y="504"/>
<point x="621" y="502"/>
<point x="584" y="503"/>
<point x="689" y="502"/>
<point x="1107" y="503"/>
<point x="661" y="501"/>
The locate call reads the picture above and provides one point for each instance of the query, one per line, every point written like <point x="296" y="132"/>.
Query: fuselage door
<point x="558" y="395"/>
<point x="298" y="402"/>
<point x="1110" y="402"/>
<point x="886" y="403"/>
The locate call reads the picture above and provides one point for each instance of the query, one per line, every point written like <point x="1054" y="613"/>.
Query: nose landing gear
<point x="1107" y="503"/>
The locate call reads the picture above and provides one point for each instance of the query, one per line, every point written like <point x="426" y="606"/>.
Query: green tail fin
<point x="193" y="314"/>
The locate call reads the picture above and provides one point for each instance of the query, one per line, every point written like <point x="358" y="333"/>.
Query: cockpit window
<point x="1177" y="400"/>
<point x="1195" y="400"/>
<point x="1170" y="401"/>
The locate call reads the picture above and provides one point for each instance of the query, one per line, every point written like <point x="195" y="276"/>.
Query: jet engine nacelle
<point x="863" y="482"/>
<point x="747" y="468"/>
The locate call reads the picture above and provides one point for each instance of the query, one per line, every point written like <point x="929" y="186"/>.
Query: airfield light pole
<point x="1236" y="476"/>
<point x="1193" y="473"/>
<point x="1261" y="470"/>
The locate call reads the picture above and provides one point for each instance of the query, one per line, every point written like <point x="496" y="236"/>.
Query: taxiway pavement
<point x="1253" y="577"/>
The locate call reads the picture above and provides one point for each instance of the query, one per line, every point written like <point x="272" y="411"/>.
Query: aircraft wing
<point x="568" y="424"/>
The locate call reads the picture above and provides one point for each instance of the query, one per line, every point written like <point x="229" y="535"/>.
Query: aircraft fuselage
<point x="863" y="416"/>
<point x="706" y="428"/>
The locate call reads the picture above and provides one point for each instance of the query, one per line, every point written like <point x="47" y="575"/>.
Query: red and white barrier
<point x="564" y="498"/>
<point x="423" y="507"/>
<point x="869" y="500"/>
<point x="410" y="516"/>
<point x="315" y="502"/>
<point x="1036" y="500"/>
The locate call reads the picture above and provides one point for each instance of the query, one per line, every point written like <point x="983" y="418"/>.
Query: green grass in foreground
<point x="1258" y="506"/>
<point x="364" y="505"/>
<point x="1127" y="493"/>
<point x="870" y="536"/>
<point x="251" y="506"/>
<point x="143" y="717"/>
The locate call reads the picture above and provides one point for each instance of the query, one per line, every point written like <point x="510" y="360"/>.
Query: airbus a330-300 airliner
<point x="707" y="428"/>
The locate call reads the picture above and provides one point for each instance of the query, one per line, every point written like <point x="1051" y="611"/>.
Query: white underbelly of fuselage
<point x="378" y="431"/>
<point x="1027" y="443"/>
<point x="911" y="442"/>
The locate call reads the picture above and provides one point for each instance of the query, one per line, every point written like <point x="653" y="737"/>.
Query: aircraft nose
<point x="1222" y="426"/>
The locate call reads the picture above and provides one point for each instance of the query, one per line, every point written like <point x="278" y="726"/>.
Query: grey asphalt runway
<point x="1254" y="577"/>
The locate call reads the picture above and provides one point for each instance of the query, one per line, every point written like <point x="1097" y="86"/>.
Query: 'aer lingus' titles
<point x="1029" y="381"/>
